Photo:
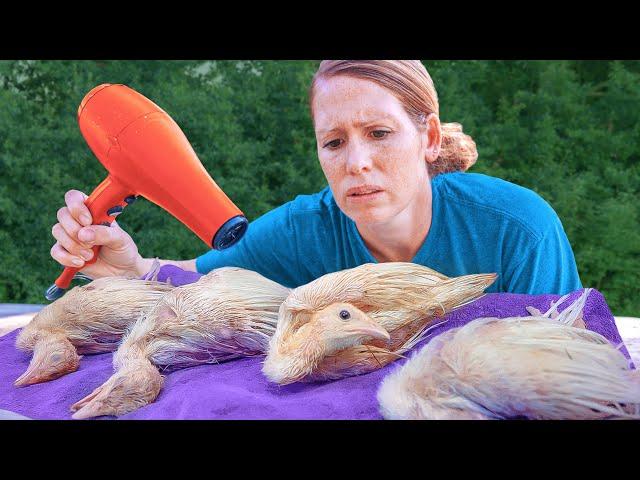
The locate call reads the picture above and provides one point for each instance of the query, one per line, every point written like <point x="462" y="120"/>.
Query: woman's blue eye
<point x="332" y="144"/>
<point x="379" y="133"/>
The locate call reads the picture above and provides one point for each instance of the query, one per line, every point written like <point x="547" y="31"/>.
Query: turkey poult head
<point x="53" y="357"/>
<point x="342" y="325"/>
<point x="330" y="330"/>
<point x="134" y="386"/>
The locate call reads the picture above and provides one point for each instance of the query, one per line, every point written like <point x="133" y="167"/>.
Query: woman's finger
<point x="65" y="258"/>
<point x="70" y="245"/>
<point x="70" y="226"/>
<point x="112" y="237"/>
<point x="75" y="203"/>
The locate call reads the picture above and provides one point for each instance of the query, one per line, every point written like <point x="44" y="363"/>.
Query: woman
<point x="382" y="148"/>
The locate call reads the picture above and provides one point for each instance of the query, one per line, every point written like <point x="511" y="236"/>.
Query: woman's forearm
<point x="144" y="265"/>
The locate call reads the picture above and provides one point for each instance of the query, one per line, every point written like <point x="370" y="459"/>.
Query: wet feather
<point x="228" y="313"/>
<point x="394" y="302"/>
<point x="536" y="367"/>
<point x="88" y="319"/>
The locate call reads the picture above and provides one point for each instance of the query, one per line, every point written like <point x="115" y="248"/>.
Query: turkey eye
<point x="345" y="315"/>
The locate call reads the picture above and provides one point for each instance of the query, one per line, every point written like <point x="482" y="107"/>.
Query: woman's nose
<point x="358" y="159"/>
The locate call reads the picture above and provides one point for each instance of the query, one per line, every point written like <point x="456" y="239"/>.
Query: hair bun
<point x="457" y="152"/>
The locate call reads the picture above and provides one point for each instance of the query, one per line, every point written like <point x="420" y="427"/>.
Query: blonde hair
<point x="410" y="82"/>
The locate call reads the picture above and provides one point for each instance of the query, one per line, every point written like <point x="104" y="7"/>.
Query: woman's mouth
<point x="364" y="193"/>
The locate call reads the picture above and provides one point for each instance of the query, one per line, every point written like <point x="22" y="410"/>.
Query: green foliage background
<point x="569" y="130"/>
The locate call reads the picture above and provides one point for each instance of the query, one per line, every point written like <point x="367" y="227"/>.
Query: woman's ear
<point x="433" y="134"/>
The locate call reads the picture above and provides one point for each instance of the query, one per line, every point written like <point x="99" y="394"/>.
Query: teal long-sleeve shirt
<point x="480" y="224"/>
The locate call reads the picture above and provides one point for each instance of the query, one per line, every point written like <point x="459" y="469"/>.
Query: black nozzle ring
<point x="229" y="233"/>
<point x="54" y="292"/>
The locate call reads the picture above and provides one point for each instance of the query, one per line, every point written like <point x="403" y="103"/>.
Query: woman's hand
<point x="75" y="236"/>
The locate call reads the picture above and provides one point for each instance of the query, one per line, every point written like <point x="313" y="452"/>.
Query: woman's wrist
<point x="143" y="265"/>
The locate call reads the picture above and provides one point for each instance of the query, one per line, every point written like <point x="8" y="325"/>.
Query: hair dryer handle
<point x="106" y="202"/>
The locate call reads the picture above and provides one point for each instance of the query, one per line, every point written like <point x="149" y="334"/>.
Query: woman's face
<point x="371" y="152"/>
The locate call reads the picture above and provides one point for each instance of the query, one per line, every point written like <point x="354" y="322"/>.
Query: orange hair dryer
<point x="147" y="154"/>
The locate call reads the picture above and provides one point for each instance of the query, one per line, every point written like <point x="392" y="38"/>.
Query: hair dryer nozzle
<point x="54" y="292"/>
<point x="232" y="231"/>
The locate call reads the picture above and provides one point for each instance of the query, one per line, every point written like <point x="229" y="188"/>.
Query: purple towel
<point x="176" y="276"/>
<point x="238" y="390"/>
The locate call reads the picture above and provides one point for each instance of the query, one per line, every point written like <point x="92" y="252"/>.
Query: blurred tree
<point x="568" y="130"/>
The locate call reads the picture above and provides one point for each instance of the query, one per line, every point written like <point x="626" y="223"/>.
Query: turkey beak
<point x="34" y="374"/>
<point x="363" y="328"/>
